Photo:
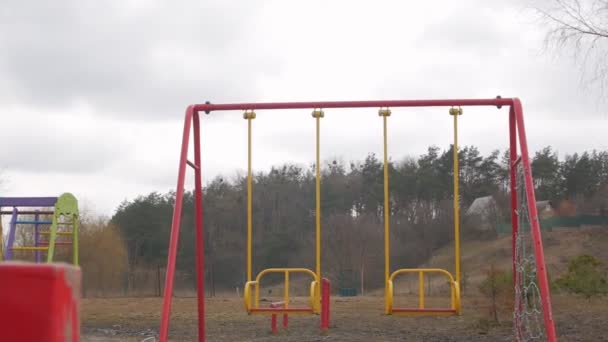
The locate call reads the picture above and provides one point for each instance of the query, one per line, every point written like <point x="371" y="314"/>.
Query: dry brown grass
<point x="560" y="245"/>
<point x="353" y="319"/>
<point x="361" y="318"/>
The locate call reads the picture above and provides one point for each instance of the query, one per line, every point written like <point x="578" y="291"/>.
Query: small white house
<point x="486" y="209"/>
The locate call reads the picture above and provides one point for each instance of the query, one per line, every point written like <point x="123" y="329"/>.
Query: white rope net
<point x="528" y="321"/>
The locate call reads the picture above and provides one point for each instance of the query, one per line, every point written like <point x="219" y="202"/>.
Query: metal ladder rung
<point x="57" y="243"/>
<point x="58" y="233"/>
<point x="29" y="248"/>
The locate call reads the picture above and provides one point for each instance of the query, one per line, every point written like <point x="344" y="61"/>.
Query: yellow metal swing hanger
<point x="252" y="287"/>
<point x="455" y="306"/>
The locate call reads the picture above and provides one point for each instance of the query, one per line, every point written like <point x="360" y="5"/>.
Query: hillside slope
<point x="560" y="245"/>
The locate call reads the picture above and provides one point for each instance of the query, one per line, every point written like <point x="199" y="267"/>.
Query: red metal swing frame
<point x="192" y="121"/>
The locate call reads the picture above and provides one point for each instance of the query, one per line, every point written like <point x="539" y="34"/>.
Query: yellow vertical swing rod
<point x="385" y="113"/>
<point x="249" y="115"/>
<point x="318" y="114"/>
<point x="455" y="112"/>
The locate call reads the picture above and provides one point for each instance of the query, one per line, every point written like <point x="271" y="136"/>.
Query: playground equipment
<point x="531" y="285"/>
<point x="48" y="234"/>
<point x="454" y="282"/>
<point x="252" y="305"/>
<point x="325" y="293"/>
<point x="40" y="302"/>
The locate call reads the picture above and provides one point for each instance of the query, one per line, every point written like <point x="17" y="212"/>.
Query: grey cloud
<point x="464" y="35"/>
<point x="476" y="59"/>
<point x="149" y="61"/>
<point x="46" y="147"/>
<point x="152" y="173"/>
<point x="57" y="156"/>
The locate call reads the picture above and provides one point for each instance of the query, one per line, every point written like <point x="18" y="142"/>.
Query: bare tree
<point x="582" y="27"/>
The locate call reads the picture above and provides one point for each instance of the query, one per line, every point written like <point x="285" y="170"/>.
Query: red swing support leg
<point x="192" y="117"/>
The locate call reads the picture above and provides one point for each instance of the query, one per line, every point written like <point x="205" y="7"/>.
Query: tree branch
<point x="583" y="27"/>
<point x="568" y="15"/>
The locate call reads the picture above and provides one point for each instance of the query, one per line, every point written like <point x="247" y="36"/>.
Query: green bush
<point x="498" y="288"/>
<point x="585" y="276"/>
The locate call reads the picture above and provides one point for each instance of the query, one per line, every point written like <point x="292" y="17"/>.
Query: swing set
<point x="520" y="175"/>
<point x="252" y="305"/>
<point x="453" y="281"/>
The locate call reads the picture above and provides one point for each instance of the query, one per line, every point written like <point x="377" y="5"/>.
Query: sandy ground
<point x="352" y="319"/>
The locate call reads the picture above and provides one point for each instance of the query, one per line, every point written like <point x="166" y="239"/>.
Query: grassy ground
<point x="353" y="319"/>
<point x="361" y="319"/>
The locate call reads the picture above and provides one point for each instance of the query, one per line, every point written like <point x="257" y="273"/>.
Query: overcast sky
<point x="92" y="93"/>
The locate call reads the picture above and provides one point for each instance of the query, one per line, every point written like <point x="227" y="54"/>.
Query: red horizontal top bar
<point x="209" y="107"/>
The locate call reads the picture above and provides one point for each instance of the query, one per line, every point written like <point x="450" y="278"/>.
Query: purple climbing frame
<point x="25" y="202"/>
<point x="28" y="201"/>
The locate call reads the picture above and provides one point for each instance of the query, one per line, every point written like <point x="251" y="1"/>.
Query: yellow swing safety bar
<point x="251" y="292"/>
<point x="454" y="282"/>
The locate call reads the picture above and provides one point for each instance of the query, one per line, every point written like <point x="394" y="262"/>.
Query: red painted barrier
<point x="325" y="297"/>
<point x="40" y="302"/>
<point x="273" y="324"/>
